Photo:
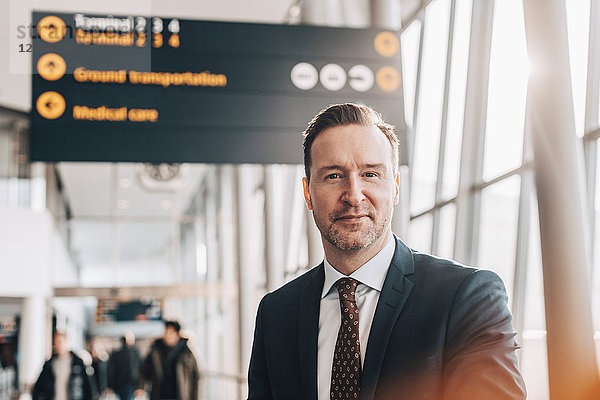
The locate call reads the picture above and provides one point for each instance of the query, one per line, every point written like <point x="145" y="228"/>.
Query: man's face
<point x="170" y="337"/>
<point x="353" y="188"/>
<point x="60" y="344"/>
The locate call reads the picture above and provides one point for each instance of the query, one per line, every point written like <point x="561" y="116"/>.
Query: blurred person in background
<point x="123" y="368"/>
<point x="64" y="376"/>
<point x="8" y="372"/>
<point x="170" y="369"/>
<point x="100" y="366"/>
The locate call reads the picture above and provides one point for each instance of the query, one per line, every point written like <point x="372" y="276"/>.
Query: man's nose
<point x="353" y="191"/>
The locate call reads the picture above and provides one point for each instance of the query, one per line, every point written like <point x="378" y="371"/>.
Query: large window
<point x="496" y="180"/>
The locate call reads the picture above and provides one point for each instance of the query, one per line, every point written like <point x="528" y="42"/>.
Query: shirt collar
<point x="372" y="273"/>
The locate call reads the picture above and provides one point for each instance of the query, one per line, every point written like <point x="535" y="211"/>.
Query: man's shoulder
<point x="188" y="347"/>
<point x="430" y="266"/>
<point x="48" y="364"/>
<point x="425" y="261"/>
<point x="156" y="346"/>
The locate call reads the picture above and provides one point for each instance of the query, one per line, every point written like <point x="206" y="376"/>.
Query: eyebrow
<point x="329" y="167"/>
<point x="365" y="166"/>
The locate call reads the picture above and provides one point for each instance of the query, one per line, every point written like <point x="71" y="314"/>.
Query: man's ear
<point x="397" y="189"/>
<point x="306" y="193"/>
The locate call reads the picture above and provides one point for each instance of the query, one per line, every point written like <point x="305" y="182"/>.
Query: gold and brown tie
<point x="345" y="372"/>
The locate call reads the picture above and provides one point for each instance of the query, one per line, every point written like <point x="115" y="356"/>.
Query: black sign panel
<point x="112" y="310"/>
<point x="150" y="89"/>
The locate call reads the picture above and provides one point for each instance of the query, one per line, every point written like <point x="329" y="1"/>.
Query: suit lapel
<point x="308" y="332"/>
<point x="395" y="291"/>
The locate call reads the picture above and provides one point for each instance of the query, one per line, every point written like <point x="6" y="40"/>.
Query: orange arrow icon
<point x="387" y="44"/>
<point x="50" y="105"/>
<point x="51" y="66"/>
<point x="388" y="79"/>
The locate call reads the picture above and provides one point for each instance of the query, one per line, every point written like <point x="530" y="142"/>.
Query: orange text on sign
<point x="104" y="113"/>
<point x="143" y="115"/>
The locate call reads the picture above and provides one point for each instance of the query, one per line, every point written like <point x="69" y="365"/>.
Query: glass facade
<point x="507" y="229"/>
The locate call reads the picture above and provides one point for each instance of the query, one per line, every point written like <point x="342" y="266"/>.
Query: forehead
<point x="351" y="144"/>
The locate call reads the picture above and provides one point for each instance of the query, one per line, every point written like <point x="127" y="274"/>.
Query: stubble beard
<point x="350" y="239"/>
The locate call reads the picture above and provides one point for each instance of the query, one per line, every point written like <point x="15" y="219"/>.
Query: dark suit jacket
<point x="440" y="331"/>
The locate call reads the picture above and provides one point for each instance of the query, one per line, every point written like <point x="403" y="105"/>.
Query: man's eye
<point x="333" y="176"/>
<point x="371" y="174"/>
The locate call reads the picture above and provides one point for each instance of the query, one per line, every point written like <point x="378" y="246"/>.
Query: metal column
<point x="471" y="163"/>
<point x="33" y="342"/>
<point x="560" y="186"/>
<point x="274" y="232"/>
<point x="245" y="269"/>
<point x="591" y="117"/>
<point x="439" y="182"/>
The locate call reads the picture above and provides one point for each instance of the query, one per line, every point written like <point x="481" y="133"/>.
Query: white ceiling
<point x="117" y="221"/>
<point x="118" y="190"/>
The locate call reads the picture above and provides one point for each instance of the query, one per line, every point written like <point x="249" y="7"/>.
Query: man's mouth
<point x="352" y="217"/>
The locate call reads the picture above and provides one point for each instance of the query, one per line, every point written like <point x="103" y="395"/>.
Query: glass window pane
<point x="534" y="360"/>
<point x="148" y="247"/>
<point x="446" y="233"/>
<point x="456" y="99"/>
<point x="507" y="90"/>
<point x="419" y="233"/>
<point x="427" y="135"/>
<point x="535" y="317"/>
<point x="193" y="250"/>
<point x="91" y="242"/>
<point x="410" y="57"/>
<point x="123" y="253"/>
<point x="498" y="229"/>
<point x="578" y="26"/>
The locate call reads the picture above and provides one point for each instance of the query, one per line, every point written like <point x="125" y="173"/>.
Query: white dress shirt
<point x="370" y="277"/>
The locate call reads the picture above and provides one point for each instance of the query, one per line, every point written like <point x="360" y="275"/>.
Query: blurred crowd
<point x="168" y="372"/>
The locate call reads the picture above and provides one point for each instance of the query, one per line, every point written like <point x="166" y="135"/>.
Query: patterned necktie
<point x="345" y="372"/>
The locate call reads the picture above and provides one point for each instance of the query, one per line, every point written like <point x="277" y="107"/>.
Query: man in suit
<point x="376" y="319"/>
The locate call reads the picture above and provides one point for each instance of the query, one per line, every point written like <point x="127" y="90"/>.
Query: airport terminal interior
<point x="497" y="104"/>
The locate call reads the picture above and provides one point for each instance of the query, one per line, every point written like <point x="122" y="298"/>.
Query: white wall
<point x="34" y="256"/>
<point x="26" y="247"/>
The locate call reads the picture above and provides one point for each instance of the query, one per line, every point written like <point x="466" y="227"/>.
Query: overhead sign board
<point x="113" y="310"/>
<point x="152" y="89"/>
